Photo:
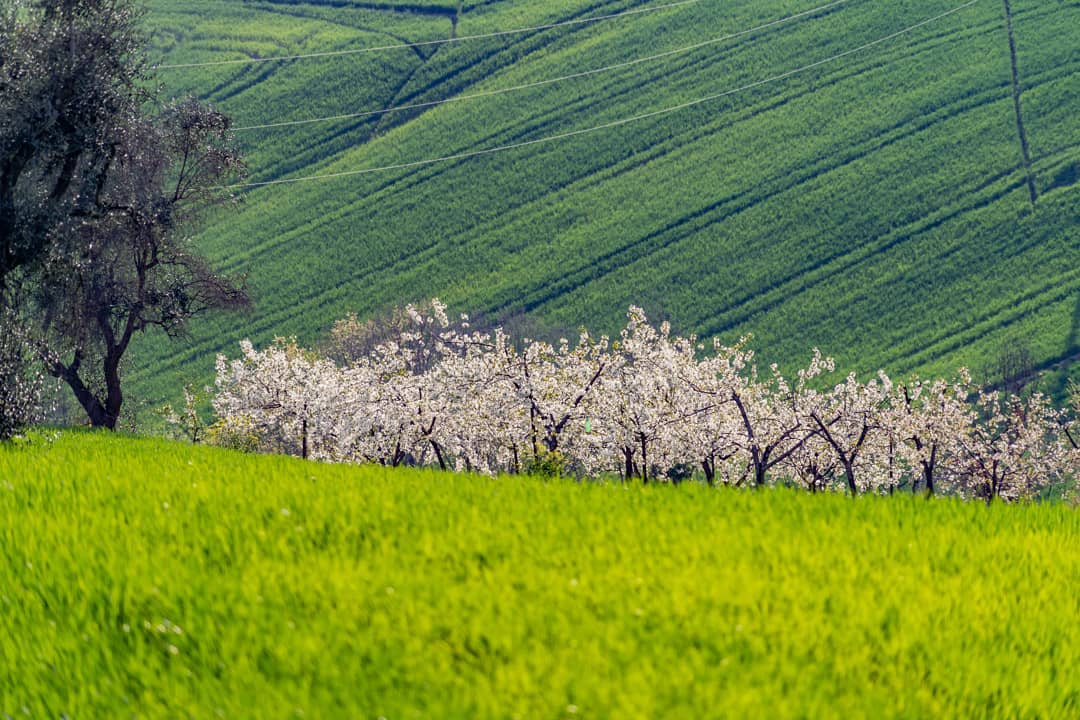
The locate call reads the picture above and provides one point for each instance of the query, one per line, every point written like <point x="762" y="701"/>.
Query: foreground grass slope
<point x="148" y="577"/>
<point x="873" y="206"/>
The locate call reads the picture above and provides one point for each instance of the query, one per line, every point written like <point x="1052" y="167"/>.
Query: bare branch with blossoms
<point x="850" y="419"/>
<point x="432" y="391"/>
<point x="1012" y="449"/>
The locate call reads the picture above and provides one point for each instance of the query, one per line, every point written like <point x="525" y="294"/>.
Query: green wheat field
<point x="873" y="206"/>
<point x="148" y="578"/>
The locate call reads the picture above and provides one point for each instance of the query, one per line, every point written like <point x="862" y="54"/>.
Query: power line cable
<point x="427" y="43"/>
<point x="609" y="125"/>
<point x="541" y="83"/>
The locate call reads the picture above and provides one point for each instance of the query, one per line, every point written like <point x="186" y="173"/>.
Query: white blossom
<point x="648" y="405"/>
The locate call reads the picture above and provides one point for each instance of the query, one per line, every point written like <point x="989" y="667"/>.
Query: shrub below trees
<point x="20" y="384"/>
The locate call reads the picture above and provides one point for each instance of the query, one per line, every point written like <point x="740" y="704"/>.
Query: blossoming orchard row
<point x="646" y="405"/>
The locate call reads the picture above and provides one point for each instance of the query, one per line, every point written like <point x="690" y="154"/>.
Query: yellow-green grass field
<point x="146" y="578"/>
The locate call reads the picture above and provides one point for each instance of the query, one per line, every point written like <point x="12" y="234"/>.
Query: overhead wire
<point x="549" y="81"/>
<point x="428" y="43"/>
<point x="608" y="125"/>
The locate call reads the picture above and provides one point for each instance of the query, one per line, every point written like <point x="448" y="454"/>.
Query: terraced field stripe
<point x="613" y="124"/>
<point x="427" y="43"/>
<point x="549" y="81"/>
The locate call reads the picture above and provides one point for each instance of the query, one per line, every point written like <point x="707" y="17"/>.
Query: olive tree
<point x="99" y="184"/>
<point x="71" y="78"/>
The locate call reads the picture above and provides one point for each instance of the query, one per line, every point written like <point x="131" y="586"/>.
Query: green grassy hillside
<point x="148" y="578"/>
<point x="874" y="206"/>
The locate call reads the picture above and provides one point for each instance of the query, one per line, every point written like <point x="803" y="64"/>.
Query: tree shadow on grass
<point x="1072" y="342"/>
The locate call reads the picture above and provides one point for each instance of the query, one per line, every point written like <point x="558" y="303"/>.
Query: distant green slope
<point x="873" y="206"/>
<point x="153" y="579"/>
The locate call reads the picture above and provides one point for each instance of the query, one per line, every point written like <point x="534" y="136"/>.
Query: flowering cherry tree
<point x="653" y="406"/>
<point x="643" y="398"/>
<point x="770" y="411"/>
<point x="1012" y="449"/>
<point x="929" y="418"/>
<point x="850" y="419"/>
<point x="557" y="387"/>
<point x="285" y="394"/>
<point x="712" y="427"/>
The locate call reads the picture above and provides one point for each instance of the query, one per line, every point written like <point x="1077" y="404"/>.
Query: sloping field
<point x="151" y="579"/>
<point x="873" y="204"/>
